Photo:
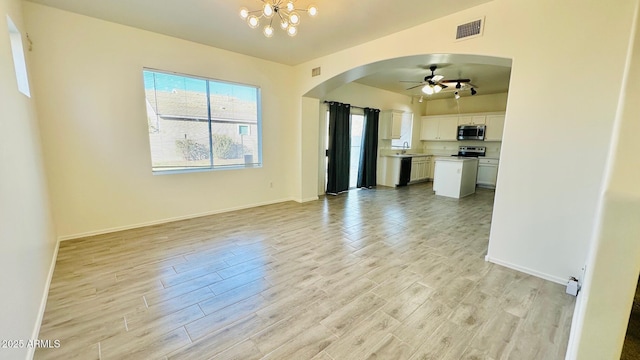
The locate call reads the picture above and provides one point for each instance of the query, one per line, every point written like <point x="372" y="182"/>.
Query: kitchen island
<point x="455" y="176"/>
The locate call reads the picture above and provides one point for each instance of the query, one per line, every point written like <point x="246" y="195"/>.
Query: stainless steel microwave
<point x="471" y="132"/>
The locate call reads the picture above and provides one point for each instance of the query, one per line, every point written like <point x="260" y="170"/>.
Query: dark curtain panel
<point x="339" y="148"/>
<point x="369" y="150"/>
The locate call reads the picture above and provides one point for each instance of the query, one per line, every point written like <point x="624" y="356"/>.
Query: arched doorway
<point x="491" y="75"/>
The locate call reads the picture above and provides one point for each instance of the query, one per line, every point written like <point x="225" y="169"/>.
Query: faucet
<point x="405" y="147"/>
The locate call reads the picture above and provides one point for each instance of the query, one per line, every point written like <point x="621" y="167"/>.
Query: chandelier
<point x="284" y="12"/>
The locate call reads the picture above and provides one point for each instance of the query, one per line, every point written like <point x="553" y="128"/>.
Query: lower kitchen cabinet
<point x="455" y="177"/>
<point x="432" y="167"/>
<point x="420" y="168"/>
<point x="389" y="169"/>
<point x="487" y="172"/>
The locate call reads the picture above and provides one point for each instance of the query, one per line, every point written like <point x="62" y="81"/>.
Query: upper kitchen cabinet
<point x="439" y="128"/>
<point x="495" y="127"/>
<point x="390" y="124"/>
<point x="472" y="120"/>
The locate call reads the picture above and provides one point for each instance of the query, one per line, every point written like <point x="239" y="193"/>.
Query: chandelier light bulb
<point x="267" y="10"/>
<point x="244" y="12"/>
<point x="312" y="10"/>
<point x="292" y="31"/>
<point x="268" y="31"/>
<point x="290" y="6"/>
<point x="284" y="24"/>
<point x="427" y="90"/>
<point x="294" y="18"/>
<point x="253" y="21"/>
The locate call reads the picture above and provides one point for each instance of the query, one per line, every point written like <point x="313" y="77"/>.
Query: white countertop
<point x="456" y="158"/>
<point x="408" y="155"/>
<point x="441" y="157"/>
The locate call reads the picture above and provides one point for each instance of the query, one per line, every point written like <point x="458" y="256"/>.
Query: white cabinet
<point x="429" y="129"/>
<point x="389" y="169"/>
<point x="432" y="166"/>
<point x="455" y="177"/>
<point x="419" y="168"/>
<point x="437" y="128"/>
<point x="396" y="124"/>
<point x="495" y="128"/>
<point x="390" y="124"/>
<point x="487" y="172"/>
<point x="472" y="120"/>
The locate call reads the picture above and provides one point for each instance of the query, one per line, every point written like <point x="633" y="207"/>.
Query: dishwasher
<point x="487" y="172"/>
<point x="405" y="171"/>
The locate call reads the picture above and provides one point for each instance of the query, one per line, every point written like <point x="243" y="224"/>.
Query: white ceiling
<point x="340" y="24"/>
<point x="488" y="79"/>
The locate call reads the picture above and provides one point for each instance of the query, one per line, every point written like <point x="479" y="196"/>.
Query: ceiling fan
<point x="433" y="83"/>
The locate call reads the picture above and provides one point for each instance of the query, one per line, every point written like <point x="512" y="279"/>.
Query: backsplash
<point x="451" y="147"/>
<point x="441" y="148"/>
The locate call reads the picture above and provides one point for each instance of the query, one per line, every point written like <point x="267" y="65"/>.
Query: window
<point x="201" y="124"/>
<point x="19" y="64"/>
<point x="405" y="132"/>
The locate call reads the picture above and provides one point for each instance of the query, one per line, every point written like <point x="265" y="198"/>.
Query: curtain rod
<point x="353" y="106"/>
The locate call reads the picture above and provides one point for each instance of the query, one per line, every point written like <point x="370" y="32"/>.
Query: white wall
<point x="27" y="237"/>
<point x="614" y="262"/>
<point x="95" y="137"/>
<point x="466" y="104"/>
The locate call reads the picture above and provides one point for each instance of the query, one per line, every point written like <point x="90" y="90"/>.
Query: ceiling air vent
<point x="469" y="30"/>
<point x="315" y="72"/>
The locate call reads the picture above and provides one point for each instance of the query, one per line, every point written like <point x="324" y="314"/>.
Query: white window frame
<point x="213" y="167"/>
<point x="19" y="63"/>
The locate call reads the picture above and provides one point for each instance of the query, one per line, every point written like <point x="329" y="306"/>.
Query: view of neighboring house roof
<point x="192" y="105"/>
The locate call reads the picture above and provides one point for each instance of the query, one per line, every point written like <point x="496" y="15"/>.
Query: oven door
<point x="473" y="132"/>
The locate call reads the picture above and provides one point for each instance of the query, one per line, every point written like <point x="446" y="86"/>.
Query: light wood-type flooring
<point x="372" y="274"/>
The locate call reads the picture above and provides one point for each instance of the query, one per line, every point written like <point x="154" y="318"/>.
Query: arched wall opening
<point x="314" y="109"/>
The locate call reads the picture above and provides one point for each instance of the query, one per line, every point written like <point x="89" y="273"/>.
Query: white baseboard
<point x="552" y="278"/>
<point x="43" y="304"/>
<point x="168" y="220"/>
<point x="313" y="198"/>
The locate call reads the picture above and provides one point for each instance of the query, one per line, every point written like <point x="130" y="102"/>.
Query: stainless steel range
<point x="471" y="151"/>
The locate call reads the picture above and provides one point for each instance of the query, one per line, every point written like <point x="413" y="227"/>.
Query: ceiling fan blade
<point x="437" y="78"/>
<point x="455" y="81"/>
<point x="413" y="87"/>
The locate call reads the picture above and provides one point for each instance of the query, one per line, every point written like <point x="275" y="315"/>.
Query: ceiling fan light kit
<point x="434" y="84"/>
<point x="285" y="13"/>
